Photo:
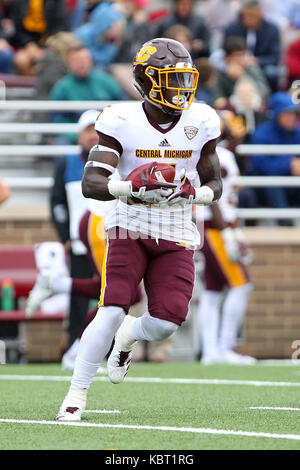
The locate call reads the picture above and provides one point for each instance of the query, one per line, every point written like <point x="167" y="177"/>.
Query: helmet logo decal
<point x="190" y="132"/>
<point x="145" y="53"/>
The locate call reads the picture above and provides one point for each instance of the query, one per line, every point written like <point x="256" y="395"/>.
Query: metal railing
<point x="268" y="213"/>
<point x="38" y="128"/>
<point x="249" y="181"/>
<point x="38" y="150"/>
<point x="251" y="149"/>
<point x="35" y="106"/>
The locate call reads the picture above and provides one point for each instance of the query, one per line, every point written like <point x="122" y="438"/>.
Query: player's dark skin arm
<point x="94" y="181"/>
<point x="209" y="170"/>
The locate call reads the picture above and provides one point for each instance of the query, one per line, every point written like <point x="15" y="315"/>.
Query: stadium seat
<point x="19" y="81"/>
<point x="17" y="263"/>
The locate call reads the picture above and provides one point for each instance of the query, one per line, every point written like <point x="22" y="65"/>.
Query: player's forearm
<point x="98" y="186"/>
<point x="95" y="186"/>
<point x="216" y="186"/>
<point x="210" y="173"/>
<point x="209" y="169"/>
<point x="211" y="178"/>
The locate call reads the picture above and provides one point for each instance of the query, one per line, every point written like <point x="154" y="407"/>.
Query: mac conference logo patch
<point x="190" y="132"/>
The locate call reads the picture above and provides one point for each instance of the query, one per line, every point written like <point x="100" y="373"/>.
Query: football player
<point x="153" y="238"/>
<point x="224" y="299"/>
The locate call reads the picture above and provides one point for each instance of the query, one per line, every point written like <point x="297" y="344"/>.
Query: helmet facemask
<point x="173" y="87"/>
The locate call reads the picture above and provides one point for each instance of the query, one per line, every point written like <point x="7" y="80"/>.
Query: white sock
<point x="234" y="309"/>
<point x="75" y="397"/>
<point x="84" y="373"/>
<point x="147" y="328"/>
<point x="95" y="344"/>
<point x="208" y="318"/>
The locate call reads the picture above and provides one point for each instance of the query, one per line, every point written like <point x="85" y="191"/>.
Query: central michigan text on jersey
<point x="150" y="153"/>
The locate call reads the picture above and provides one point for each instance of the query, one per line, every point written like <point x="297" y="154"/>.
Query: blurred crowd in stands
<point x="247" y="53"/>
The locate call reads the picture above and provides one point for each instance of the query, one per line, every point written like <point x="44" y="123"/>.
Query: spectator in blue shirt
<point x="280" y="129"/>
<point x="102" y="34"/>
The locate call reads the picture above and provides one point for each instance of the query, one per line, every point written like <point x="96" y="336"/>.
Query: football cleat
<point x="69" y="413"/>
<point x="232" y="357"/>
<point x="41" y="291"/>
<point x="73" y="405"/>
<point x="210" y="360"/>
<point x="120" y="358"/>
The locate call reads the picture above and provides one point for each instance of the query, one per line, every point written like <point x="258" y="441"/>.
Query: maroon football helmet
<point x="165" y="76"/>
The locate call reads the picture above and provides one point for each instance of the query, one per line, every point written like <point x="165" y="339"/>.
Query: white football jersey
<point x="140" y="141"/>
<point x="228" y="200"/>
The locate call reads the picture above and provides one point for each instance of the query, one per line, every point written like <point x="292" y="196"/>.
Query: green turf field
<point x="159" y="406"/>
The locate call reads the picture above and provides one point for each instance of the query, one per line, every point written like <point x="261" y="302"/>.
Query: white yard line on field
<point x="158" y="380"/>
<point x="225" y="432"/>
<point x="275" y="408"/>
<point x="103" y="411"/>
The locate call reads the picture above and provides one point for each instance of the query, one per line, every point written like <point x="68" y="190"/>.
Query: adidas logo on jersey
<point x="164" y="143"/>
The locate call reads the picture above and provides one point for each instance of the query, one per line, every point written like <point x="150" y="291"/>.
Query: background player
<point x="224" y="299"/>
<point x="152" y="239"/>
<point x="49" y="282"/>
<point x="67" y="207"/>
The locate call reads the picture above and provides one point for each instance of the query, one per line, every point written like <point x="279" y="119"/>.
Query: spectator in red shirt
<point x="292" y="59"/>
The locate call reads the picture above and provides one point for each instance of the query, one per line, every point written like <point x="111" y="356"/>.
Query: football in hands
<point x="152" y="176"/>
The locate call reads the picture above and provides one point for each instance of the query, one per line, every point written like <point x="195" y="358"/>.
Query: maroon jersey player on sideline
<point x="153" y="240"/>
